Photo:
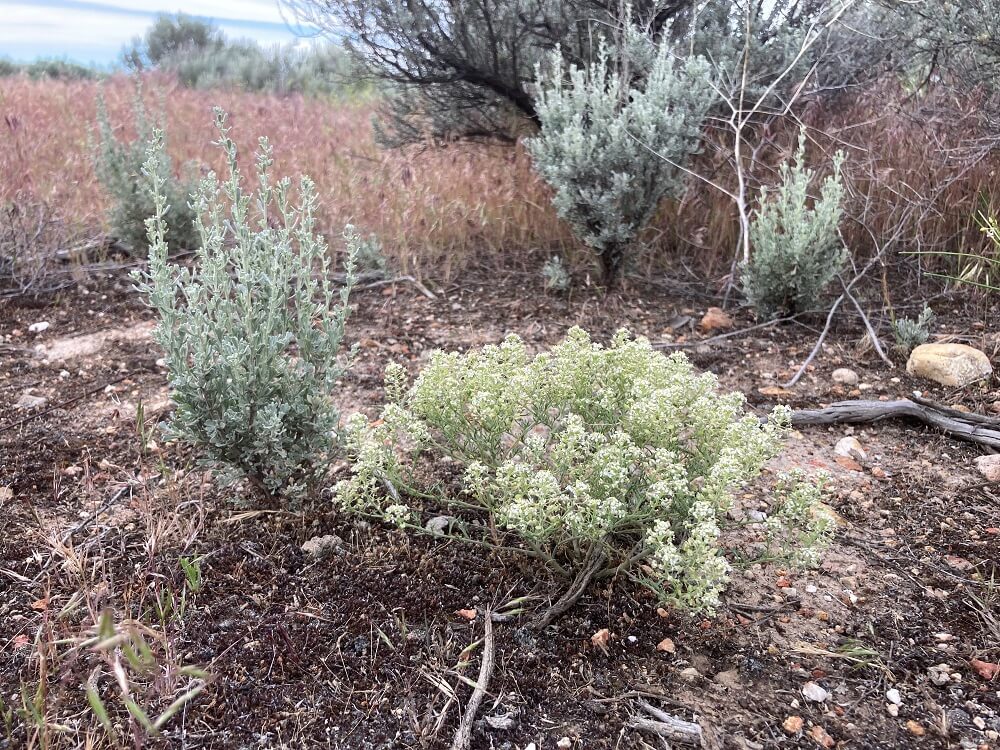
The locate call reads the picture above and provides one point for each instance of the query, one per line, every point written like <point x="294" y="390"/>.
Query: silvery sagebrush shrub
<point x="612" y="144"/>
<point x="556" y="275"/>
<point x="797" y="250"/>
<point x="119" y="165"/>
<point x="909" y="333"/>
<point x="617" y="453"/>
<point x="252" y="329"/>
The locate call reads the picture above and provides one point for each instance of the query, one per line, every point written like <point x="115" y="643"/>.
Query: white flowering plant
<point x="602" y="460"/>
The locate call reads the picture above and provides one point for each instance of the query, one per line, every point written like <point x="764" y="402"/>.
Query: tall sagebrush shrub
<point x="253" y="328"/>
<point x="612" y="145"/>
<point x="119" y="165"/>
<point x="797" y="250"/>
<point x="603" y="460"/>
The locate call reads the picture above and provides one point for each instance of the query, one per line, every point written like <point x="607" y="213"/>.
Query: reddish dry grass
<point x="439" y="210"/>
<point x="434" y="211"/>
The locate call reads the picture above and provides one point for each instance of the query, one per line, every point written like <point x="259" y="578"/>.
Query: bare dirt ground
<point x="358" y="649"/>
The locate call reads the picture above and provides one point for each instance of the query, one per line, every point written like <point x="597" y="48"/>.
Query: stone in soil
<point x="844" y="376"/>
<point x="954" y="365"/>
<point x="989" y="467"/>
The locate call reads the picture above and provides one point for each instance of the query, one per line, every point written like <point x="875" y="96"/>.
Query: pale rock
<point x="850" y="447"/>
<point x="320" y="546"/>
<point x="989" y="467"/>
<point x="441" y="525"/>
<point x="954" y="365"/>
<point x="844" y="376"/>
<point x="690" y="673"/>
<point x="715" y="319"/>
<point x="892" y="695"/>
<point x="815" y="692"/>
<point x="30" y="401"/>
<point x="38" y="327"/>
<point x="564" y="743"/>
<point x="940" y="674"/>
<point x="892" y="709"/>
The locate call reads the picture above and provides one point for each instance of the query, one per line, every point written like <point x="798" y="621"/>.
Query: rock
<point x="954" y="365"/>
<point x="690" y="673"/>
<point x="30" y="401"/>
<point x="730" y="679"/>
<point x="564" y="743"/>
<point x="822" y="737"/>
<point x="666" y="645"/>
<point x="892" y="709"/>
<point x="601" y="638"/>
<point x="505" y="721"/>
<point x="815" y="692"/>
<point x="989" y="467"/>
<point x="793" y="724"/>
<point x="715" y="319"/>
<point x="892" y="695"/>
<point x="986" y="670"/>
<point x="940" y="674"/>
<point x="38" y="327"/>
<point x="850" y="447"/>
<point x="321" y="546"/>
<point x="913" y="727"/>
<point x="440" y="525"/>
<point x="844" y="376"/>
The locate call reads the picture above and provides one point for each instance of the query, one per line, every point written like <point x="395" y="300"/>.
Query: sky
<point x="94" y="31"/>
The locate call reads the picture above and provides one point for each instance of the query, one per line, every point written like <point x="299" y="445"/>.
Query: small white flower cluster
<point x="619" y="447"/>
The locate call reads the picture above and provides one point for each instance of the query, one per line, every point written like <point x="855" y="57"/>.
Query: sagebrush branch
<point x="973" y="428"/>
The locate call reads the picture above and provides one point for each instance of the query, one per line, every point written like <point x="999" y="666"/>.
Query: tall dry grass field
<point x="434" y="210"/>
<point x="438" y="210"/>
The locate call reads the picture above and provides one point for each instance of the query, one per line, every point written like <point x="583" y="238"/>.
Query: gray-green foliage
<point x="909" y="333"/>
<point x="557" y="277"/>
<point x="169" y="37"/>
<point x="119" y="165"/>
<point x="797" y="250"/>
<point x="612" y="145"/>
<point x="465" y="68"/>
<point x="369" y="256"/>
<point x="253" y="328"/>
<point x="317" y="71"/>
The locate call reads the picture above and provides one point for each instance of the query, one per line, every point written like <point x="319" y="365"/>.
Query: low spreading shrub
<point x="253" y="329"/>
<point x="602" y="460"/>
<point x="119" y="165"/>
<point x="797" y="250"/>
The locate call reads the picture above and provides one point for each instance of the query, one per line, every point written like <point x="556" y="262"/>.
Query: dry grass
<point x="439" y="210"/>
<point x="433" y="210"/>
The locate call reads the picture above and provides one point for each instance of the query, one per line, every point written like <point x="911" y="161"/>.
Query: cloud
<point x="96" y="31"/>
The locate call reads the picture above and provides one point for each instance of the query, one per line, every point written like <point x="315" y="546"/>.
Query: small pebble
<point x="815" y="692"/>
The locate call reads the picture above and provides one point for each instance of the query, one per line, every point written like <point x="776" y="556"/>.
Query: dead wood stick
<point x="868" y="326"/>
<point x="973" y="428"/>
<point x="463" y="736"/>
<point x="595" y="561"/>
<point x="669" y="727"/>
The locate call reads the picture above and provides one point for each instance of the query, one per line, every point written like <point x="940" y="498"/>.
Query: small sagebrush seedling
<point x="252" y="329"/>
<point x="797" y="250"/>
<point x="909" y="333"/>
<point x="604" y="461"/>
